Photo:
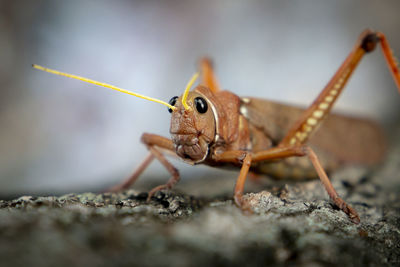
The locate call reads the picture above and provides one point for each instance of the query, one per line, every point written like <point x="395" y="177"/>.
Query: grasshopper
<point x="218" y="128"/>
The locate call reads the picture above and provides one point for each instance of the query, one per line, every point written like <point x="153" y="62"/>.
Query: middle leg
<point x="282" y="152"/>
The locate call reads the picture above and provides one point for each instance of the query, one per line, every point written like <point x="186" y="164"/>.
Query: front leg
<point x="170" y="168"/>
<point x="155" y="144"/>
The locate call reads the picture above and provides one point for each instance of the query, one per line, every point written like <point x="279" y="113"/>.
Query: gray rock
<point x="293" y="224"/>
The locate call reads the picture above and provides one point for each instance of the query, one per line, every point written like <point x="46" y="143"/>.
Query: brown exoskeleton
<point x="218" y="128"/>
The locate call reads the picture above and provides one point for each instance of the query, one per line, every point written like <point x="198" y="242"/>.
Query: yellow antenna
<point x="188" y="86"/>
<point x="102" y="84"/>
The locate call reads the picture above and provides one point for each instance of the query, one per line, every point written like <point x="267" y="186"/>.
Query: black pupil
<point x="172" y="103"/>
<point x="201" y="104"/>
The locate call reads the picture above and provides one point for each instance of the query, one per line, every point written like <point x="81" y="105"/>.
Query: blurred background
<point x="61" y="135"/>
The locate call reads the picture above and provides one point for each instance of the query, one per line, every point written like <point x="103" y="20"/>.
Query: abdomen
<point x="339" y="140"/>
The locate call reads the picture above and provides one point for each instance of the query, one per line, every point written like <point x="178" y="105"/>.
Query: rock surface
<point x="292" y="224"/>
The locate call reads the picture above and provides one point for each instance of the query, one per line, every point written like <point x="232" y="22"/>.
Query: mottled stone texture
<point x="293" y="224"/>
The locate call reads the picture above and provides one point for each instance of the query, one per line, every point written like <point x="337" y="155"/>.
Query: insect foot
<point x="353" y="215"/>
<point x="156" y="189"/>
<point x="244" y="204"/>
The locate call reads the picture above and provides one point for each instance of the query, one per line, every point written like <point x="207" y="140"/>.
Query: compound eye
<point x="201" y="104"/>
<point x="172" y="102"/>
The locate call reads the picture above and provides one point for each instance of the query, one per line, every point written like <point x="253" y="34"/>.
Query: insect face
<point x="193" y="128"/>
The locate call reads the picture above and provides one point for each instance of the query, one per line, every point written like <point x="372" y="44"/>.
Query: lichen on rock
<point x="292" y="224"/>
